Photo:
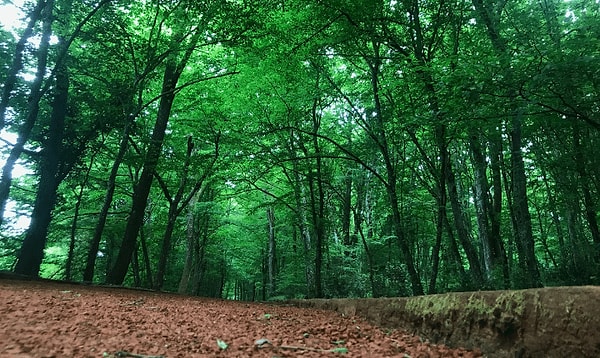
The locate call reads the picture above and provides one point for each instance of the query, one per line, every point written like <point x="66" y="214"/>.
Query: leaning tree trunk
<point x="33" y="108"/>
<point x="17" y="64"/>
<point x="178" y="203"/>
<point x="72" y="239"/>
<point x="88" y="273"/>
<point x="32" y="250"/>
<point x="142" y="189"/>
<point x="173" y="71"/>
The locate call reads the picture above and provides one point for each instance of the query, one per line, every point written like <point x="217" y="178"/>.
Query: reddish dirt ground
<point x="47" y="319"/>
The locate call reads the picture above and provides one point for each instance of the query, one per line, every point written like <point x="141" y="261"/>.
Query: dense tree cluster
<point x="260" y="149"/>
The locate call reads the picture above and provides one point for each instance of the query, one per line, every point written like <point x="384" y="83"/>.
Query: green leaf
<point x="222" y="345"/>
<point x="341" y="350"/>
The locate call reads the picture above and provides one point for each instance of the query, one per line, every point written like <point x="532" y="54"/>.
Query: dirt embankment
<point x="548" y="322"/>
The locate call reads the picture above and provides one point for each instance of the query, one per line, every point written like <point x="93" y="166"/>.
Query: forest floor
<point x="49" y="319"/>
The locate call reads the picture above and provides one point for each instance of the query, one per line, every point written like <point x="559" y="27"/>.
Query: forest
<point x="273" y="149"/>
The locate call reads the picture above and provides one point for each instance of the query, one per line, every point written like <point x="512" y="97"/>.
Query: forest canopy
<point x="271" y="149"/>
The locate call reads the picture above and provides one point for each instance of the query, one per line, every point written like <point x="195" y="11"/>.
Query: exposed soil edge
<point x="548" y="322"/>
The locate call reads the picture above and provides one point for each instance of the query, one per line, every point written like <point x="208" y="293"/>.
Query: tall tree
<point x="173" y="69"/>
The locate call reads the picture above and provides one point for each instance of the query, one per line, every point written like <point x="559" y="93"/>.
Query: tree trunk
<point x="441" y="201"/>
<point x="493" y="248"/>
<point x="17" y="64"/>
<point x="173" y="69"/>
<point x="88" y="273"/>
<point x="191" y="239"/>
<point x="32" y="249"/>
<point x="33" y="108"/>
<point x="272" y="254"/>
<point x="146" y="256"/>
<point x="461" y="229"/>
<point x="466" y="281"/>
<point x="318" y="215"/>
<point x="301" y="217"/>
<point x="347" y="209"/>
<point x="72" y="239"/>
<point x="524" y="231"/>
<point x="521" y="216"/>
<point x="142" y="189"/>
<point x="165" y="248"/>
<point x="495" y="209"/>
<point x="177" y="204"/>
<point x="584" y="182"/>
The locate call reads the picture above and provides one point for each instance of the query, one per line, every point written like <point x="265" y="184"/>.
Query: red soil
<point x="47" y="319"/>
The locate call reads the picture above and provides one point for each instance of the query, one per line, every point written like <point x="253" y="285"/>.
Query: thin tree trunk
<point x="135" y="268"/>
<point x="556" y="220"/>
<point x="521" y="206"/>
<point x="200" y="251"/>
<point x="402" y="240"/>
<point x="584" y="182"/>
<point x="481" y="202"/>
<point x="72" y="239"/>
<point x="146" y="256"/>
<point x="190" y="238"/>
<point x="318" y="214"/>
<point x="88" y="273"/>
<point x="461" y="229"/>
<point x="178" y="203"/>
<point x="495" y="209"/>
<point x="347" y="209"/>
<point x="522" y="217"/>
<point x="441" y="214"/>
<point x="465" y="280"/>
<point x="271" y="254"/>
<point x="302" y="217"/>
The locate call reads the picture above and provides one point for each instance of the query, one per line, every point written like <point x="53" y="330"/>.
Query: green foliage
<point x="320" y="112"/>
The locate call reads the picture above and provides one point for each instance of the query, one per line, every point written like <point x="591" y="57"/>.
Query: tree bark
<point x="524" y="231"/>
<point x="191" y="238"/>
<point x="88" y="273"/>
<point x="272" y="254"/>
<point x="142" y="189"/>
<point x="319" y="214"/>
<point x="72" y="239"/>
<point x="584" y="182"/>
<point x="380" y="135"/>
<point x="32" y="250"/>
<point x="493" y="248"/>
<point x="33" y="107"/>
<point x="521" y="217"/>
<point x="17" y="64"/>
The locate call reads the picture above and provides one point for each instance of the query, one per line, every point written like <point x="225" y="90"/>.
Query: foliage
<point x="381" y="136"/>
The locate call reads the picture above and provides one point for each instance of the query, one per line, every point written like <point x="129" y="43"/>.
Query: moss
<point x="475" y="306"/>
